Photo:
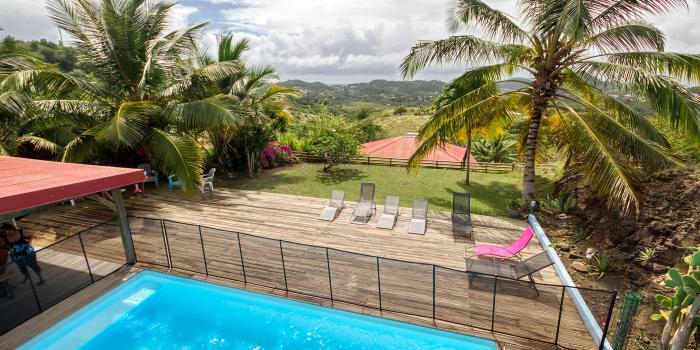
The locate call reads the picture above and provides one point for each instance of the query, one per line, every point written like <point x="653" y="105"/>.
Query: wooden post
<point x="124" y="226"/>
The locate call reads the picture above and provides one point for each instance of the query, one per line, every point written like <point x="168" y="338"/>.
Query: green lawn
<point x="490" y="192"/>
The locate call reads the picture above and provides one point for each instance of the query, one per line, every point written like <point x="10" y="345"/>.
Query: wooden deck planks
<point x="295" y="219"/>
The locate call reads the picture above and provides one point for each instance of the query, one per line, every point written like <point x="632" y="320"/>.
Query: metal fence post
<point x="330" y="282"/>
<point x="165" y="245"/>
<point x="240" y="252"/>
<point x="561" y="307"/>
<point x="204" y="255"/>
<point x="379" y="286"/>
<point x="31" y="284"/>
<point x="284" y="270"/>
<point x="493" y="305"/>
<point x="611" y="309"/>
<point x="433" y="293"/>
<point x="87" y="262"/>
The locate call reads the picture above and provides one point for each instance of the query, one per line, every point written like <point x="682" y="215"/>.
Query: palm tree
<point x="442" y="131"/>
<point x="134" y="98"/>
<point x="575" y="53"/>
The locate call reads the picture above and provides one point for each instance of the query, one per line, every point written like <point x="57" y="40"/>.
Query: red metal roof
<point x="403" y="147"/>
<point x="28" y="183"/>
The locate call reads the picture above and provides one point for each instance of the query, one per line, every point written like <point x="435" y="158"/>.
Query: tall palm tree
<point x="575" y="53"/>
<point x="461" y="129"/>
<point x="132" y="98"/>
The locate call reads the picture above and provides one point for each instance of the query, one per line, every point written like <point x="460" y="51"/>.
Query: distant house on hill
<point x="403" y="147"/>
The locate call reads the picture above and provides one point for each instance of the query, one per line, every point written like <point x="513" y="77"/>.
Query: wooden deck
<point x="406" y="287"/>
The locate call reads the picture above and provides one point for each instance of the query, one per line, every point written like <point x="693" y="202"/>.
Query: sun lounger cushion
<point x="386" y="221"/>
<point x="416" y="226"/>
<point x="328" y="213"/>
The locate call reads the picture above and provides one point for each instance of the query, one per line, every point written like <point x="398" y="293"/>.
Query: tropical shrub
<point x="680" y="310"/>
<point x="334" y="146"/>
<point x="495" y="150"/>
<point x="560" y="204"/>
<point x="602" y="264"/>
<point x="277" y="155"/>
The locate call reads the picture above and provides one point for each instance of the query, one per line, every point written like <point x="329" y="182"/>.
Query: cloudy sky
<point x="333" y="41"/>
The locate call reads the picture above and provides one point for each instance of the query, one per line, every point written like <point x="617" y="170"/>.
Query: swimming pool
<point x="158" y="311"/>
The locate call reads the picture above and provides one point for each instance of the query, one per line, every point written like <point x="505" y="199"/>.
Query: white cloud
<point x="328" y="40"/>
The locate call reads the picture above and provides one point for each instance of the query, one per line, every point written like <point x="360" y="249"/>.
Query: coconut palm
<point x="575" y="53"/>
<point x="133" y="99"/>
<point x="459" y="129"/>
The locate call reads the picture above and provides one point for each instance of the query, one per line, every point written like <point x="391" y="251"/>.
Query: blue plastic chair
<point x="172" y="183"/>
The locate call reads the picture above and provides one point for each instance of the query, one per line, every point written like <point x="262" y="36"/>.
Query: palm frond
<point x="463" y="49"/>
<point x="668" y="98"/>
<point x="80" y="150"/>
<point x="620" y="11"/>
<point x="210" y="113"/>
<point x="230" y="50"/>
<point x="494" y="22"/>
<point x="40" y="144"/>
<point x="128" y="125"/>
<point x="624" y="114"/>
<point x="652" y="156"/>
<point x="685" y="67"/>
<point x="606" y="170"/>
<point x="628" y="36"/>
<point x="176" y="154"/>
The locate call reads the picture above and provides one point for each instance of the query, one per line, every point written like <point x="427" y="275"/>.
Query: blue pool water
<point x="158" y="311"/>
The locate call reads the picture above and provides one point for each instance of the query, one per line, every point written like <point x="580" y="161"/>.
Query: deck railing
<point x="68" y="266"/>
<point x="535" y="311"/>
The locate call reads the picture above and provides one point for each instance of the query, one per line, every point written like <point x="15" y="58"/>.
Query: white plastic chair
<point x="208" y="180"/>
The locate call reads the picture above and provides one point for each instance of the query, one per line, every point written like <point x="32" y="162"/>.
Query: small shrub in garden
<point x="276" y="155"/>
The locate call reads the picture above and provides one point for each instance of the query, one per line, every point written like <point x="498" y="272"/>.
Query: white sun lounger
<point x="419" y="217"/>
<point x="387" y="219"/>
<point x="334" y="207"/>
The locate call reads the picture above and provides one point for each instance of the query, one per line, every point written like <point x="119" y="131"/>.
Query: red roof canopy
<point x="403" y="147"/>
<point x="28" y="183"/>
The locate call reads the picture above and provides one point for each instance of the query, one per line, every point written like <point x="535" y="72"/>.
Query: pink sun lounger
<point x="507" y="252"/>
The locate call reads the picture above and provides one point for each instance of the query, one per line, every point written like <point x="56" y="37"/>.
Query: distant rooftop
<point x="403" y="147"/>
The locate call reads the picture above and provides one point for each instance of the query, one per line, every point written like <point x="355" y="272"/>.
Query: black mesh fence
<point x="35" y="282"/>
<point x="521" y="308"/>
<point x="149" y="241"/>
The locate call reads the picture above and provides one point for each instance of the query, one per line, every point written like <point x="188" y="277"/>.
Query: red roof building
<point x="403" y="147"/>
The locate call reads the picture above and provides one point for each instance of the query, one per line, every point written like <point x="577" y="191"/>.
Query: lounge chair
<point x="461" y="215"/>
<point x="365" y="206"/>
<point x="419" y="217"/>
<point x="208" y="180"/>
<point x="150" y="174"/>
<point x="514" y="272"/>
<point x="387" y="219"/>
<point x="513" y="250"/>
<point x="334" y="207"/>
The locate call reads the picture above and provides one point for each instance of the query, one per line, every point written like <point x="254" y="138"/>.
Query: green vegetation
<point x="603" y="264"/>
<point x="576" y="53"/>
<point x="490" y="191"/>
<point x="646" y="255"/>
<point x="680" y="311"/>
<point x="149" y="95"/>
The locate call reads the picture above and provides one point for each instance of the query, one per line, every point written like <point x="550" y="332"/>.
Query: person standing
<point x="21" y="251"/>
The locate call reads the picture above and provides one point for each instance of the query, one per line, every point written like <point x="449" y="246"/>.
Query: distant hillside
<point x="409" y="93"/>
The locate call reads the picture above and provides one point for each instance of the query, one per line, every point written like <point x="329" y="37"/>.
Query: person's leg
<point x="22" y="268"/>
<point x="34" y="264"/>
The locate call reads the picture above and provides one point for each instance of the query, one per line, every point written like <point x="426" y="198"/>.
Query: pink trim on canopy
<point x="29" y="183"/>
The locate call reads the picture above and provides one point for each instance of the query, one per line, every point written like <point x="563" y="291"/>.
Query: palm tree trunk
<point x="467" y="155"/>
<point x="540" y="104"/>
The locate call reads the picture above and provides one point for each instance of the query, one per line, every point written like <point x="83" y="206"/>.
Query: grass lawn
<point x="490" y="192"/>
